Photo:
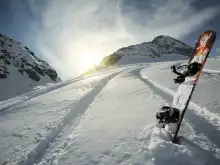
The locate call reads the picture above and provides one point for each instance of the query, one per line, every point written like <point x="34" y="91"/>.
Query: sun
<point x="89" y="60"/>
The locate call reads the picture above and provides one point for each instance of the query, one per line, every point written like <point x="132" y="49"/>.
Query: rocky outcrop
<point x="13" y="53"/>
<point x="21" y="70"/>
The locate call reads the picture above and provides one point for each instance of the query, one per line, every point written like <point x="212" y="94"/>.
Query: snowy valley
<point x="108" y="117"/>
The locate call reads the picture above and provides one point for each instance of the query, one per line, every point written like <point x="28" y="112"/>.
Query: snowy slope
<point x="109" y="118"/>
<point x="162" y="48"/>
<point x="159" y="46"/>
<point x="21" y="70"/>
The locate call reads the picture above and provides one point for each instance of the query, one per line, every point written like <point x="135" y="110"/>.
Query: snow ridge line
<point x="80" y="107"/>
<point x="200" y="111"/>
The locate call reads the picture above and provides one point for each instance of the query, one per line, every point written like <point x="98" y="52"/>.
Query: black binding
<point x="168" y="115"/>
<point x="192" y="69"/>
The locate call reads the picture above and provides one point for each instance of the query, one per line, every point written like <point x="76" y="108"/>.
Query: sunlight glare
<point x="89" y="60"/>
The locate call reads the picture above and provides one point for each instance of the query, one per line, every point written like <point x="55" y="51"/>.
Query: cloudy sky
<point x="69" y="34"/>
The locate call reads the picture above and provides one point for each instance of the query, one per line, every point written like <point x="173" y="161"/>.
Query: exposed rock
<point x="24" y="60"/>
<point x="21" y="70"/>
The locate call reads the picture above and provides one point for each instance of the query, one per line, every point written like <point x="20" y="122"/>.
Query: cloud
<point x="173" y="18"/>
<point x="74" y="29"/>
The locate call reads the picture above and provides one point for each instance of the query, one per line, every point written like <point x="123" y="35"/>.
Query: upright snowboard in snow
<point x="188" y="81"/>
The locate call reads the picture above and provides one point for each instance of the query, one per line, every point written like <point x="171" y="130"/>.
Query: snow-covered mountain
<point x="162" y="48"/>
<point x="160" y="45"/>
<point x="21" y="70"/>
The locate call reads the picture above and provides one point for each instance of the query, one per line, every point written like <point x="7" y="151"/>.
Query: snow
<point x="121" y="139"/>
<point x="38" y="123"/>
<point x="109" y="118"/>
<point x="40" y="90"/>
<point x="209" y="124"/>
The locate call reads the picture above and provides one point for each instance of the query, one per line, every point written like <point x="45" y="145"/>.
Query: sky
<point x="72" y="34"/>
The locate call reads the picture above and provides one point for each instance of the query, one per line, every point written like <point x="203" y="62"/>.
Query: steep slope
<point x="21" y="69"/>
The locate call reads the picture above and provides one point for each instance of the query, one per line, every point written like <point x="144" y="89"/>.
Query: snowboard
<point x="185" y="90"/>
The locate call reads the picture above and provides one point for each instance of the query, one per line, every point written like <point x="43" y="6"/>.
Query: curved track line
<point x="60" y="139"/>
<point x="78" y="108"/>
<point x="39" y="92"/>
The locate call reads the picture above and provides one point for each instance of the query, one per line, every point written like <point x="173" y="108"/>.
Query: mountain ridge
<point x="158" y="47"/>
<point x="21" y="70"/>
<point x="161" y="44"/>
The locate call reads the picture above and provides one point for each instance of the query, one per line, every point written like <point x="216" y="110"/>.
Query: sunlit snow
<point x="109" y="118"/>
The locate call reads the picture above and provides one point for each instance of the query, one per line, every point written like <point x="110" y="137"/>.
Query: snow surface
<point x="109" y="118"/>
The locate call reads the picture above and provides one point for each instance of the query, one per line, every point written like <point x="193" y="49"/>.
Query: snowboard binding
<point x="180" y="79"/>
<point x="167" y="115"/>
<point x="191" y="70"/>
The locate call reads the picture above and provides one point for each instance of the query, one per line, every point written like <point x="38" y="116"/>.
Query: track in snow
<point x="79" y="108"/>
<point x="20" y="110"/>
<point x="10" y="103"/>
<point x="62" y="142"/>
<point x="93" y="101"/>
<point x="109" y="133"/>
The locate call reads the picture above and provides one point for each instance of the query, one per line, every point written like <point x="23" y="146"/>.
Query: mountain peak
<point x="162" y="37"/>
<point x="158" y="46"/>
